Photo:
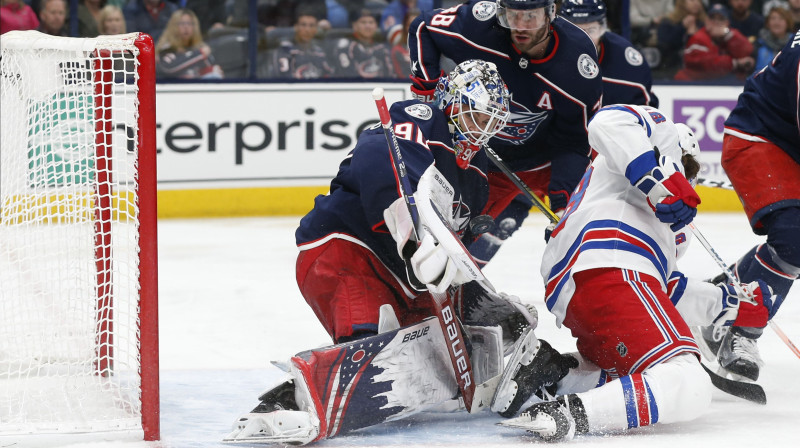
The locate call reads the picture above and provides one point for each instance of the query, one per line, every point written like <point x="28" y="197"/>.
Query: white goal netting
<point x="69" y="235"/>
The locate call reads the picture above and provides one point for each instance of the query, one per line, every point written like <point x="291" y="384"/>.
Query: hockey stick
<point x="522" y="186"/>
<point x="727" y="185"/>
<point x="459" y="357"/>
<point x="724" y="184"/>
<point x="742" y="389"/>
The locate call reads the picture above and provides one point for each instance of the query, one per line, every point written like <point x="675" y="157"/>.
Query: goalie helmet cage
<point x="78" y="254"/>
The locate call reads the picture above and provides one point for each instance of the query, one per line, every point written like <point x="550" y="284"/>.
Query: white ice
<point x="229" y="305"/>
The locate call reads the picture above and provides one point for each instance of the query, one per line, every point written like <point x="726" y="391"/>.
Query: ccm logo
<point x="416" y="334"/>
<point x="456" y="345"/>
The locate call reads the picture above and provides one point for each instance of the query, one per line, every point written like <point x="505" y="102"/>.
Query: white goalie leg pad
<point x="525" y="350"/>
<point x="387" y="319"/>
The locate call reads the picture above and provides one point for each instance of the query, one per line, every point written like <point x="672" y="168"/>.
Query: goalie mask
<point x="476" y="102"/>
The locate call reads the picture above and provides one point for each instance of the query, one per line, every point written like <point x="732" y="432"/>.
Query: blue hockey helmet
<point x="583" y="11"/>
<point x="515" y="13"/>
<point x="476" y="102"/>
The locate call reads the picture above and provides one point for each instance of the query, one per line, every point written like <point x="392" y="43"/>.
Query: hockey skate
<point x="709" y="339"/>
<point x="532" y="366"/>
<point x="553" y="421"/>
<point x="738" y="355"/>
<point x="277" y="418"/>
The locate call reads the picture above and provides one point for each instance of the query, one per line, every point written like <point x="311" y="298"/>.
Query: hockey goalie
<point x="404" y="370"/>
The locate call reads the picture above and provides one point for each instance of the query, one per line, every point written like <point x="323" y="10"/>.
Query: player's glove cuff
<point x="423" y="89"/>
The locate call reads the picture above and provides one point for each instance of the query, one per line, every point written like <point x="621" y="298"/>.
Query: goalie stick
<point x="459" y="357"/>
<point x="522" y="186"/>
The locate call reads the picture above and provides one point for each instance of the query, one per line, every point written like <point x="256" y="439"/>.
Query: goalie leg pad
<point x="379" y="378"/>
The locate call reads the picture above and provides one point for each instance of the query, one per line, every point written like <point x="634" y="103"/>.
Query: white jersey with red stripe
<point x="608" y="222"/>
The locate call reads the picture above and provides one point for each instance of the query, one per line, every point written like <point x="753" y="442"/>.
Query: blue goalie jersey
<point x="366" y="183"/>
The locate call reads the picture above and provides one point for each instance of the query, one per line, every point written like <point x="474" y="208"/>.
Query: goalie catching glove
<point x="430" y="263"/>
<point x="669" y="194"/>
<point x="753" y="309"/>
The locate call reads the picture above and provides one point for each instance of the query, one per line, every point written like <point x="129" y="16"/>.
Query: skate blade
<point x="525" y="423"/>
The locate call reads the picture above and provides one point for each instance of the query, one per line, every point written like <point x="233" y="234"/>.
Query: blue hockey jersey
<point x="366" y="185"/>
<point x="626" y="76"/>
<point x="769" y="107"/>
<point x="552" y="97"/>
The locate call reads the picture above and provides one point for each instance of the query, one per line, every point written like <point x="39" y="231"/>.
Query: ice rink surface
<point x="229" y="305"/>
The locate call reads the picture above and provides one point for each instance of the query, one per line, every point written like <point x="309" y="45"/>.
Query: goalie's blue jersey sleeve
<point x="769" y="107"/>
<point x="366" y="183"/>
<point x="552" y="98"/>
<point x="627" y="78"/>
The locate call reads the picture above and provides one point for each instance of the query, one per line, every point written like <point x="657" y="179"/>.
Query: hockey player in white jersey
<point x="610" y="276"/>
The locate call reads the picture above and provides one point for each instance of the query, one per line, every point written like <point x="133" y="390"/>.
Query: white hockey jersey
<point x="608" y="222"/>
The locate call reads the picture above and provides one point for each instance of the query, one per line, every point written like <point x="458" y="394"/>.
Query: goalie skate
<point x="292" y="427"/>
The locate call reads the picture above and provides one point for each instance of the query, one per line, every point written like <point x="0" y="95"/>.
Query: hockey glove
<point x="423" y="89"/>
<point x="669" y="194"/>
<point x="740" y="310"/>
<point x="432" y="266"/>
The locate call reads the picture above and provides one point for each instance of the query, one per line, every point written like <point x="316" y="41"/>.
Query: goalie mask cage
<point x="78" y="255"/>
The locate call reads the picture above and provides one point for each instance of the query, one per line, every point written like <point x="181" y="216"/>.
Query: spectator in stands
<point x="111" y="20"/>
<point x="645" y="16"/>
<point x="210" y="13"/>
<point x="401" y="61"/>
<point x="339" y="11"/>
<point x="88" y="12"/>
<point x="395" y="12"/>
<point x="52" y="17"/>
<point x="181" y="52"/>
<point x="281" y="13"/>
<point x="16" y="15"/>
<point x="362" y="56"/>
<point x="774" y="35"/>
<point x="794" y="8"/>
<point x="301" y="58"/>
<point x="675" y="30"/>
<point x="744" y="19"/>
<point x="148" y="16"/>
<point x="717" y="51"/>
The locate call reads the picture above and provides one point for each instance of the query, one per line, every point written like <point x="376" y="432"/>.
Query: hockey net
<point x="78" y="282"/>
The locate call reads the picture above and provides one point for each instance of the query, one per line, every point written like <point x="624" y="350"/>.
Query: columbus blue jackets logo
<point x="522" y="124"/>
<point x="421" y="111"/>
<point x="484" y="11"/>
<point x="633" y="56"/>
<point x="587" y="66"/>
<point x="461" y="214"/>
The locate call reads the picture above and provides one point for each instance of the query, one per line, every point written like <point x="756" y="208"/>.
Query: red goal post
<point x="78" y="246"/>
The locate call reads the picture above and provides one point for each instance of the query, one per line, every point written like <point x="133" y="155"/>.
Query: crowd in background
<point x="684" y="40"/>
